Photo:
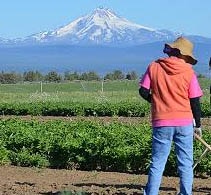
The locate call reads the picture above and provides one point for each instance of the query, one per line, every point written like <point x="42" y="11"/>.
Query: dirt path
<point x="31" y="181"/>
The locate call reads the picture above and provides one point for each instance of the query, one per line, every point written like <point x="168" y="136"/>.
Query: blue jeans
<point x="161" y="147"/>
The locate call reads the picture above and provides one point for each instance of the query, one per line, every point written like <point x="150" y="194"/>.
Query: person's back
<point x="172" y="88"/>
<point x="170" y="80"/>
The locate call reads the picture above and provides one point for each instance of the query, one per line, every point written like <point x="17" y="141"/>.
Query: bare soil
<point x="32" y="181"/>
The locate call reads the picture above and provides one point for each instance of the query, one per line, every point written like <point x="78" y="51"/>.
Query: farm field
<point x="32" y="175"/>
<point x="78" y="91"/>
<point x="25" y="180"/>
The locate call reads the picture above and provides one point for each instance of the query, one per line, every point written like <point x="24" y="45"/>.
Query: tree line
<point x="53" y="76"/>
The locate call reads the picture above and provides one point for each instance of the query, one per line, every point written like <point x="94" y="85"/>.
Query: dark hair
<point x="187" y="59"/>
<point x="176" y="52"/>
<point x="171" y="51"/>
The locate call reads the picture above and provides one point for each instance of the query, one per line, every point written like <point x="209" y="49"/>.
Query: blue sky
<point x="19" y="18"/>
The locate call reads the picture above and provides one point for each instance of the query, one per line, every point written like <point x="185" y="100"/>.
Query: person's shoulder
<point x="156" y="62"/>
<point x="162" y="59"/>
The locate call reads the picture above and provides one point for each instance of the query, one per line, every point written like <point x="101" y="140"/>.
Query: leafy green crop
<point x="85" y="145"/>
<point x="131" y="109"/>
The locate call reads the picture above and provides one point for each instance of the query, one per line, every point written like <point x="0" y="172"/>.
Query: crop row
<point x="75" y="109"/>
<point x="85" y="145"/>
<point x="122" y="108"/>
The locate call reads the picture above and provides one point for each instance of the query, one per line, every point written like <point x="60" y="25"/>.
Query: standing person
<point x="172" y="88"/>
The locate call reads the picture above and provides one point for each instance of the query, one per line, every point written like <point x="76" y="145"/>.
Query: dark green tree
<point x="9" y="78"/>
<point x="108" y="76"/>
<point x="53" y="77"/>
<point x="131" y="75"/>
<point x="116" y="75"/>
<point x="71" y="76"/>
<point x="93" y="76"/>
<point x="32" y="76"/>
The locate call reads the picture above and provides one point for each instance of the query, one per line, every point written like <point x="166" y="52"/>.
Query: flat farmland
<point x="24" y="178"/>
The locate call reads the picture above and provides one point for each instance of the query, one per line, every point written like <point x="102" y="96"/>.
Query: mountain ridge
<point x="101" y="27"/>
<point x="101" y="41"/>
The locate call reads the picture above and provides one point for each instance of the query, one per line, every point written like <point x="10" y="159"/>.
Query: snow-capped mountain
<point x="102" y="27"/>
<point x="92" y="42"/>
<point x="4" y="41"/>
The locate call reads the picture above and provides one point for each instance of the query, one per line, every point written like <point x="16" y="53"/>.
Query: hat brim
<point x="166" y="50"/>
<point x="192" y="60"/>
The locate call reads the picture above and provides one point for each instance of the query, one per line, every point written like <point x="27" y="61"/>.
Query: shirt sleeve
<point x="145" y="80"/>
<point x="194" y="88"/>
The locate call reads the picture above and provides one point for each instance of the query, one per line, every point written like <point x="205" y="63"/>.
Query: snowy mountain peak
<point x="103" y="26"/>
<point x="104" y="13"/>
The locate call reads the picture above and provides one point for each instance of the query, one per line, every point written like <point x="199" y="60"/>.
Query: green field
<point x="71" y="91"/>
<point x="78" y="91"/>
<point x="80" y="98"/>
<point x="86" y="144"/>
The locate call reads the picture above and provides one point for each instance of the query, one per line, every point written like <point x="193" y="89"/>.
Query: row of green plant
<point x="85" y="145"/>
<point x="127" y="109"/>
<point x="76" y="109"/>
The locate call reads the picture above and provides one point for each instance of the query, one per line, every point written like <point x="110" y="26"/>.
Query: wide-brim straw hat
<point x="185" y="47"/>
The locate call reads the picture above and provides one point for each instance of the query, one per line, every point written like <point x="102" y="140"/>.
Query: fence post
<point x="41" y="86"/>
<point x="102" y="85"/>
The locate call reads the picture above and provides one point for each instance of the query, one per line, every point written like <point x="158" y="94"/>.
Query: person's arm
<point x="144" y="87"/>
<point x="195" y="93"/>
<point x="145" y="93"/>
<point x="196" y="110"/>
